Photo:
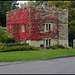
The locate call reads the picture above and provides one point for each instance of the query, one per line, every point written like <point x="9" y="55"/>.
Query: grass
<point x="33" y="55"/>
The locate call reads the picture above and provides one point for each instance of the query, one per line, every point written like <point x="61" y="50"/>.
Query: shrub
<point x="55" y="47"/>
<point x="2" y="39"/>
<point x="2" y="32"/>
<point x="2" y="46"/>
<point x="60" y="46"/>
<point x="34" y="48"/>
<point x="14" y="44"/>
<point x="52" y="47"/>
<point x="49" y="47"/>
<point x="19" y="48"/>
<point x="9" y="40"/>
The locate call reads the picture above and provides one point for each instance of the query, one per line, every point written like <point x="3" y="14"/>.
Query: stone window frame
<point x="24" y="28"/>
<point x="47" y="29"/>
<point x="48" y="42"/>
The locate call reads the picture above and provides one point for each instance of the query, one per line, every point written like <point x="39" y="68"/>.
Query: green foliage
<point x="4" y="7"/>
<point x="19" y="48"/>
<point x="2" y="46"/>
<point x="31" y="3"/>
<point x="2" y="32"/>
<point x="9" y="40"/>
<point x="5" y="37"/>
<point x="71" y="35"/>
<point x="72" y="32"/>
<point x="60" y="46"/>
<point x="55" y="47"/>
<point x="14" y="44"/>
<point x="49" y="47"/>
<point x="33" y="55"/>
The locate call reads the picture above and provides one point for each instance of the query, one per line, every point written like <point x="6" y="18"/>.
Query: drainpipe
<point x="30" y="24"/>
<point x="57" y="31"/>
<point x="25" y="34"/>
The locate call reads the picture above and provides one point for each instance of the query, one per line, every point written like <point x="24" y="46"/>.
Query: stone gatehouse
<point x="40" y="26"/>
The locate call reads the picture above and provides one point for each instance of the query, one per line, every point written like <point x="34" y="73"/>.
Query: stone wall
<point x="61" y="14"/>
<point x="36" y="43"/>
<point x="53" y="42"/>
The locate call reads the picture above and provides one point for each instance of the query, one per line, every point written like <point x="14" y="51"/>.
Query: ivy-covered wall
<point x="34" y="19"/>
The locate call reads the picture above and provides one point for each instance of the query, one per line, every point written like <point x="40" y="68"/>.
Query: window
<point x="23" y="28"/>
<point x="44" y="27"/>
<point x="47" y="27"/>
<point x="47" y="42"/>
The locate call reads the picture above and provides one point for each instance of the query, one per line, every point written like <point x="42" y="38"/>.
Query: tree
<point x="71" y="35"/>
<point x="2" y="32"/>
<point x="27" y="4"/>
<point x="5" y="37"/>
<point x="31" y="3"/>
<point x="14" y="5"/>
<point x="4" y="7"/>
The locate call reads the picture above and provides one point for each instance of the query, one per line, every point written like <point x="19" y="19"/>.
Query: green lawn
<point x="34" y="55"/>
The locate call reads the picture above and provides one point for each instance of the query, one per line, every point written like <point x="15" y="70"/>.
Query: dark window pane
<point x="46" y="27"/>
<point x="46" y="42"/>
<point x="25" y="27"/>
<point x="49" y="42"/>
<point x="49" y="27"/>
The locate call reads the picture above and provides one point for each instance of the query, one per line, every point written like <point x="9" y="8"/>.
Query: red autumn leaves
<point x="34" y="21"/>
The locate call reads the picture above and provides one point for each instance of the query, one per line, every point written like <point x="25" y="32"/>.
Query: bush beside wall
<point x="55" y="47"/>
<point x="19" y="48"/>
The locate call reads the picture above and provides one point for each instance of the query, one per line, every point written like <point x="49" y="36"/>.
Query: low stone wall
<point x="53" y="42"/>
<point x="36" y="43"/>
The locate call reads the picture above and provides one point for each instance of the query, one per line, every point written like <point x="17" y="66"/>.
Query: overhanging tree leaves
<point x="31" y="3"/>
<point x="5" y="6"/>
<point x="2" y="32"/>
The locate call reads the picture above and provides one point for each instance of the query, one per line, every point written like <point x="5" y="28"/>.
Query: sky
<point x="21" y="1"/>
